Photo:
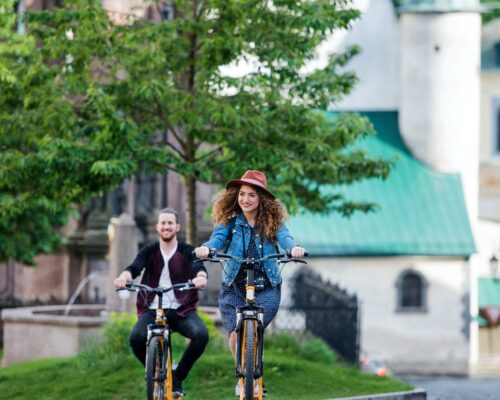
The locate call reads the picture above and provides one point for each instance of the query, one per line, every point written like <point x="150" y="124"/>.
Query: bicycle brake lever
<point x="297" y="260"/>
<point x="128" y="286"/>
<point x="187" y="286"/>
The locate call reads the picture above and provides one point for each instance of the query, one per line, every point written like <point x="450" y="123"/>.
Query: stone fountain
<point x="64" y="330"/>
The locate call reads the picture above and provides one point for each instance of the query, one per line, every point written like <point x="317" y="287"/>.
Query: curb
<point x="417" y="394"/>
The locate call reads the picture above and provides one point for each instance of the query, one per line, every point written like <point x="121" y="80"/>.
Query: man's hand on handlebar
<point x="202" y="251"/>
<point x="200" y="281"/>
<point x="122" y="279"/>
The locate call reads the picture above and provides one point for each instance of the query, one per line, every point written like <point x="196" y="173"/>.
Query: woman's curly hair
<point x="270" y="215"/>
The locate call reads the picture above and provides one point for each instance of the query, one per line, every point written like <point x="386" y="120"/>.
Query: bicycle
<point x="158" y="350"/>
<point x="250" y="326"/>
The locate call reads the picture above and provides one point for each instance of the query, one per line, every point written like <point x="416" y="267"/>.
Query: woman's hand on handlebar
<point x="202" y="251"/>
<point x="298" y="252"/>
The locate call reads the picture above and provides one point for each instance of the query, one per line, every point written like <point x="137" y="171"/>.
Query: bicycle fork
<point x="254" y="316"/>
<point x="163" y="335"/>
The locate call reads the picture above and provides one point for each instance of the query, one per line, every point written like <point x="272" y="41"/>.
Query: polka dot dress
<point x="232" y="297"/>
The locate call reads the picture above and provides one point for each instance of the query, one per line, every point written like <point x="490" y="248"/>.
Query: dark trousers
<point x="191" y="327"/>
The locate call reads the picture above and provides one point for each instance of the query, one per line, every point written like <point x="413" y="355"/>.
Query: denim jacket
<point x="220" y="235"/>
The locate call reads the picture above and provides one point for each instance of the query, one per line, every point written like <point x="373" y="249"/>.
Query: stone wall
<point x="44" y="332"/>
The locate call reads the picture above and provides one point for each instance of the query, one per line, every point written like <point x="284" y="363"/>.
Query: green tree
<point x="56" y="124"/>
<point x="216" y="125"/>
<point x="27" y="219"/>
<point x="492" y="10"/>
<point x="156" y="95"/>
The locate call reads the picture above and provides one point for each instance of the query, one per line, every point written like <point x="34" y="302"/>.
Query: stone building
<point x="417" y="264"/>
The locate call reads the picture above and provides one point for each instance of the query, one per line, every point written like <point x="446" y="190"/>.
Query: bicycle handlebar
<point x="214" y="256"/>
<point x="131" y="286"/>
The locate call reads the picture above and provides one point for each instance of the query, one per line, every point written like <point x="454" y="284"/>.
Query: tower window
<point x="495" y="126"/>
<point x="496" y="54"/>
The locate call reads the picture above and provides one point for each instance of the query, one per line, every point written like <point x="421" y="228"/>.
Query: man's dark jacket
<point x="181" y="270"/>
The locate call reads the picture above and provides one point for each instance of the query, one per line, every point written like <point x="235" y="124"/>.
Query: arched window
<point x="412" y="291"/>
<point x="495" y="126"/>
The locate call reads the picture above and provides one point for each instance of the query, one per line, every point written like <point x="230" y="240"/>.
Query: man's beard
<point x="167" y="239"/>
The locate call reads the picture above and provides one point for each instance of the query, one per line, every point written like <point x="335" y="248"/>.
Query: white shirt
<point x="169" y="299"/>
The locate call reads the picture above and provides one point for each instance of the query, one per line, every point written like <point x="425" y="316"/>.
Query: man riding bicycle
<point x="165" y="263"/>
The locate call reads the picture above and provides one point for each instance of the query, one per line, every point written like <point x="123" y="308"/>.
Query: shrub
<point x="318" y="351"/>
<point x="312" y="349"/>
<point x="281" y="343"/>
<point x="216" y="341"/>
<point x="115" y="334"/>
<point x="112" y="347"/>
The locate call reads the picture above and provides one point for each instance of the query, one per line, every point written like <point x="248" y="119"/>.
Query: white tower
<point x="439" y="87"/>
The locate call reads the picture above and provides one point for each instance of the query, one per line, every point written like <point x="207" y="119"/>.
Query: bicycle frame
<point x="159" y="385"/>
<point x="161" y="322"/>
<point x="161" y="330"/>
<point x="255" y="314"/>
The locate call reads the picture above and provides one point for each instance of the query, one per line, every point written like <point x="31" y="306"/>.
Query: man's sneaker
<point x="237" y="390"/>
<point x="177" y="391"/>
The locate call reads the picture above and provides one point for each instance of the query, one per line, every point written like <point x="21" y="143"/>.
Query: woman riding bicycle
<point x="251" y="219"/>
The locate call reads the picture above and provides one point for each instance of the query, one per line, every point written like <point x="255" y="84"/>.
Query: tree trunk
<point x="188" y="84"/>
<point x="191" y="210"/>
<point x="190" y="185"/>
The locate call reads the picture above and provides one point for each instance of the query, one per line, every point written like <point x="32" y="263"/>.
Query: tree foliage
<point x="57" y="124"/>
<point x="491" y="11"/>
<point x="90" y="102"/>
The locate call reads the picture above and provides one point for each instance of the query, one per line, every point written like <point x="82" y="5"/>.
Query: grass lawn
<point x="212" y="378"/>
<point x="298" y="370"/>
<point x="289" y="378"/>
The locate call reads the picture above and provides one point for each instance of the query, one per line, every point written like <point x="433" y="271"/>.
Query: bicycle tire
<point x="155" y="389"/>
<point x="249" y="346"/>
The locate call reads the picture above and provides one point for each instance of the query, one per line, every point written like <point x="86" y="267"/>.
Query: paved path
<point x="456" y="388"/>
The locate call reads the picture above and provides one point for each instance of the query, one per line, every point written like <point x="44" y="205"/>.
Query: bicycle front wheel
<point x="249" y="346"/>
<point x="154" y="383"/>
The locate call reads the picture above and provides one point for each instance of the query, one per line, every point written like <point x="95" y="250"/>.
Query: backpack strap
<point x="230" y="226"/>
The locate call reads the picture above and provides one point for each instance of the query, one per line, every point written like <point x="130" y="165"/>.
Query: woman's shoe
<point x="237" y="390"/>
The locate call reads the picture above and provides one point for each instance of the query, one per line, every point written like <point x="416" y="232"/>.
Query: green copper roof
<point x="422" y="212"/>
<point x="438" y="5"/>
<point x="489" y="295"/>
<point x="489" y="292"/>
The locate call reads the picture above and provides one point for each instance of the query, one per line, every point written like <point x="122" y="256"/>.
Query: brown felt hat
<point x="252" y="178"/>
